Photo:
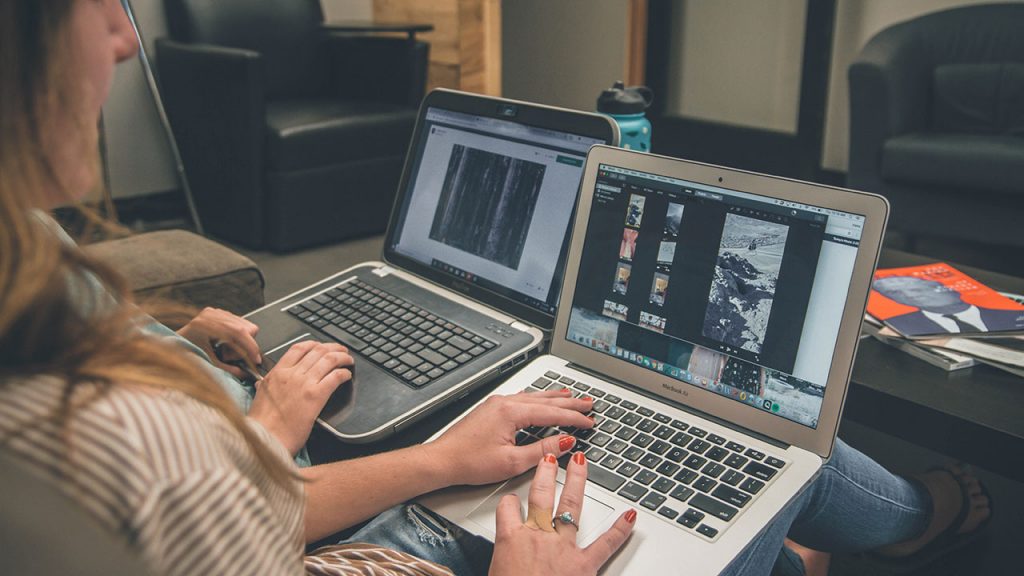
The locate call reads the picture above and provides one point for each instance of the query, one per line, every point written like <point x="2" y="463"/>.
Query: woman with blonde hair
<point x="143" y="429"/>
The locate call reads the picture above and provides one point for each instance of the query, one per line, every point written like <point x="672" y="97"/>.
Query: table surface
<point x="975" y="414"/>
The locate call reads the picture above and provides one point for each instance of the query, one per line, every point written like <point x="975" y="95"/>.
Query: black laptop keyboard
<point x="680" y="471"/>
<point x="416" y="346"/>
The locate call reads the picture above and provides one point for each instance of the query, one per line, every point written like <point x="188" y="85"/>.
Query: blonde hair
<point x="44" y="328"/>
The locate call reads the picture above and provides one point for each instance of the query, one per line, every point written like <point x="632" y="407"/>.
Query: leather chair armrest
<point x="215" y="100"/>
<point x="379" y="68"/>
<point x="889" y="85"/>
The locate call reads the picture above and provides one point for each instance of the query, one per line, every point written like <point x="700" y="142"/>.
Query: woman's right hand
<point x="293" y="393"/>
<point x="538" y="545"/>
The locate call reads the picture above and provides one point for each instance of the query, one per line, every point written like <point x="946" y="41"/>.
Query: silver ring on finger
<point x="565" y="518"/>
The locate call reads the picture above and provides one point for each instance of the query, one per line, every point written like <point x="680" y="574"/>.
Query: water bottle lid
<point x="622" y="100"/>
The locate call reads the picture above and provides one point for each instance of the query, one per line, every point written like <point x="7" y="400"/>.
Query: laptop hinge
<point x="683" y="407"/>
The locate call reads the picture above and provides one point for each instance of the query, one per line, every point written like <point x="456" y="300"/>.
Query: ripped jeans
<point x="853" y="505"/>
<point x="415" y="530"/>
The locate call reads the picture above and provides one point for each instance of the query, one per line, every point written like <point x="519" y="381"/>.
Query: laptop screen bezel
<point x="875" y="208"/>
<point x="535" y="115"/>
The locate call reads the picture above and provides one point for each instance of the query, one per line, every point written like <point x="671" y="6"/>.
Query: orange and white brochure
<point x="909" y="312"/>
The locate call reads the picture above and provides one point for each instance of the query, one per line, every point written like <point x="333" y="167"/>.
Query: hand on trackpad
<point x="593" y="520"/>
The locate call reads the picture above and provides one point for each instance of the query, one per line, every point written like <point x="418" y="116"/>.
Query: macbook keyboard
<point x="669" y="466"/>
<point x="416" y="346"/>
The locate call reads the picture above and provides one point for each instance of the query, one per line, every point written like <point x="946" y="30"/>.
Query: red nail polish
<point x="631" y="516"/>
<point x="565" y="442"/>
<point x="565" y="391"/>
<point x="587" y="398"/>
<point x="579" y="458"/>
<point x="550" y="458"/>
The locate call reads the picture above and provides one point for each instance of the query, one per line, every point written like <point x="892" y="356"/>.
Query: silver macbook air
<point x="714" y="315"/>
<point x="472" y="264"/>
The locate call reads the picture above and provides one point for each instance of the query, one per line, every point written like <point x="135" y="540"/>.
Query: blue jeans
<point x="853" y="505"/>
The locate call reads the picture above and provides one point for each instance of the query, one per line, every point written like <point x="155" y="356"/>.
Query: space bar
<point x="346" y="338"/>
<point x="604" y="478"/>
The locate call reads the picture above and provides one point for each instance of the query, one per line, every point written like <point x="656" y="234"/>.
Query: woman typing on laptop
<point x="137" y="425"/>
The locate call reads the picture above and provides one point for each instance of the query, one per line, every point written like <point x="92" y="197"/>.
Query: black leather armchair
<point x="937" y="124"/>
<point x="291" y="135"/>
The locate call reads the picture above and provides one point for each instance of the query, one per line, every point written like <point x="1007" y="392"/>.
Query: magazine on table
<point x="943" y="358"/>
<point x="937" y="300"/>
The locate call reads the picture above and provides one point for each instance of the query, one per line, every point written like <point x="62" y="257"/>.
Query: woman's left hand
<point x="212" y="327"/>
<point x="481" y="448"/>
<point x="540" y="544"/>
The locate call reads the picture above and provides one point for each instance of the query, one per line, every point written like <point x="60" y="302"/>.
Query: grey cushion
<point x="185" y="267"/>
<point x="975" y="162"/>
<point x="979" y="98"/>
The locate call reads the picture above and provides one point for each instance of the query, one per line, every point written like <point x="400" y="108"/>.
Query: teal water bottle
<point x="626" y="106"/>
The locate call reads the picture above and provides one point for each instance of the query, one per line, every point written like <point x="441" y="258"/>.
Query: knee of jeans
<point x="431" y="529"/>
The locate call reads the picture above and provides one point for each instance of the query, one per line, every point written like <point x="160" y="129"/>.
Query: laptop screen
<point x="493" y="200"/>
<point x="732" y="292"/>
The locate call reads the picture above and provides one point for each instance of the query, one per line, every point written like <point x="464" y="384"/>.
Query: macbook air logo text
<point x="672" y="388"/>
<point x="461" y="286"/>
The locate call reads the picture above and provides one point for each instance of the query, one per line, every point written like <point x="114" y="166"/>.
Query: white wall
<point x="347" y="9"/>
<point x="140" y="159"/>
<point x="138" y="155"/>
<point x="562" y="52"/>
<point x="737" y="62"/>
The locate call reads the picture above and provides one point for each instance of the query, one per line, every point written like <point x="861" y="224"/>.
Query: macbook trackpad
<point x="593" y="520"/>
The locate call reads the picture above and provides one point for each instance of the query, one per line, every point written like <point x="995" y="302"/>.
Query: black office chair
<point x="290" y="135"/>
<point x="937" y="126"/>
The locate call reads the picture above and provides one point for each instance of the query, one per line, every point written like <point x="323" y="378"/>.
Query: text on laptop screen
<point x="736" y="293"/>
<point x="491" y="202"/>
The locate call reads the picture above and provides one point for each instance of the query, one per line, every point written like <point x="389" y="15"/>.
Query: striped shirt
<point x="177" y="482"/>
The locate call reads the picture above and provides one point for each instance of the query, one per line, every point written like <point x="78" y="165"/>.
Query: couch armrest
<point x="215" y="101"/>
<point x="379" y="68"/>
<point x="890" y="82"/>
<point x="184" y="267"/>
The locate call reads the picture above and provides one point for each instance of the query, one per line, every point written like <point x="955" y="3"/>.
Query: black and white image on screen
<point x="487" y="204"/>
<point x="743" y="288"/>
<point x="673" y="218"/>
<point x="666" y="252"/>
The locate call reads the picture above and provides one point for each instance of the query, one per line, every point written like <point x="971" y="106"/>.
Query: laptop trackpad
<point x="593" y="521"/>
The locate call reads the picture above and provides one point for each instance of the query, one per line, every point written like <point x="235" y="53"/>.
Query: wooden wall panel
<point x="465" y="46"/>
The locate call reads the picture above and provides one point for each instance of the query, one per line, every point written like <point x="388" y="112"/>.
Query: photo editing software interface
<point x="735" y="293"/>
<point x="491" y="202"/>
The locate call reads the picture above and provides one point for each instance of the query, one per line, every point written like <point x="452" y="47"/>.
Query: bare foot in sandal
<point x="815" y="562"/>
<point x="952" y="488"/>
